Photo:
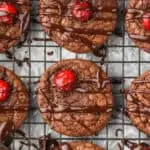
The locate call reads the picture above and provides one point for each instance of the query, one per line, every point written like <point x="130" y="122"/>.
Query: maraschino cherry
<point x="65" y="80"/>
<point x="82" y="11"/>
<point x="146" y="21"/>
<point x="4" y="90"/>
<point x="6" y="13"/>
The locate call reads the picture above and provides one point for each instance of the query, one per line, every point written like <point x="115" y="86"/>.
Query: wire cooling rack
<point x="124" y="60"/>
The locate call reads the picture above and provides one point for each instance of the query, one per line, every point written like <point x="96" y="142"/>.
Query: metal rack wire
<point x="119" y="56"/>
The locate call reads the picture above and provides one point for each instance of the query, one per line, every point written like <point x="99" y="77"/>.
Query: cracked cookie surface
<point x="138" y="102"/>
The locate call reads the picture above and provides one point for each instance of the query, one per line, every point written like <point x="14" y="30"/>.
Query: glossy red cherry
<point x="146" y="21"/>
<point x="4" y="90"/>
<point x="81" y="11"/>
<point x="65" y="80"/>
<point x="6" y="12"/>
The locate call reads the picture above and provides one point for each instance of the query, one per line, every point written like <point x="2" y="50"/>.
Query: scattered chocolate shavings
<point x="9" y="55"/>
<point x="35" y="82"/>
<point x="18" y="61"/>
<point x="28" y="144"/>
<point x="123" y="91"/>
<point x="119" y="146"/>
<point x="135" y="146"/>
<point x="117" y="132"/>
<point x="8" y="140"/>
<point x="27" y="60"/>
<point x="5" y="128"/>
<point x="47" y="143"/>
<point x="21" y="133"/>
<point x="3" y="147"/>
<point x="50" y="53"/>
<point x="116" y="80"/>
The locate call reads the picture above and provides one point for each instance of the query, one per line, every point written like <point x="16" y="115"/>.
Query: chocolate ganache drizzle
<point x="60" y="108"/>
<point x="47" y="143"/>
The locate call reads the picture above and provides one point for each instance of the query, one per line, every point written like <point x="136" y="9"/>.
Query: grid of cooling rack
<point x="124" y="60"/>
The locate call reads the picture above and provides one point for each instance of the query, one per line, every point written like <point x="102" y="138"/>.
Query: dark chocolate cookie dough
<point x="14" y="22"/>
<point x="138" y="102"/>
<point x="75" y="97"/>
<point x="13" y="102"/>
<point x="78" y="25"/>
<point x="138" y="23"/>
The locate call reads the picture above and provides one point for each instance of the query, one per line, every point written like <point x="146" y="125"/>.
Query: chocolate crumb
<point x="50" y="53"/>
<point x="19" y="62"/>
<point x="27" y="60"/>
<point x="117" y="132"/>
<point x="9" y="55"/>
<point x="116" y="80"/>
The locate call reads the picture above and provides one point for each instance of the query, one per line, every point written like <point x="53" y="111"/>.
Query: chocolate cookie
<point x="78" y="25"/>
<point x="48" y="143"/>
<point x="14" y="22"/>
<point x="138" y="23"/>
<point x="138" y="102"/>
<point x="84" y="146"/>
<point x="13" y="102"/>
<point x="75" y="97"/>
